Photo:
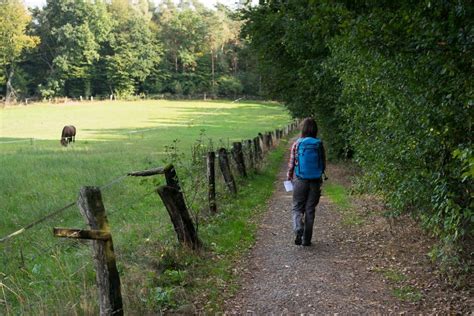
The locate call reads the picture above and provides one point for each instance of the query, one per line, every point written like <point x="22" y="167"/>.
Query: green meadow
<point x="41" y="273"/>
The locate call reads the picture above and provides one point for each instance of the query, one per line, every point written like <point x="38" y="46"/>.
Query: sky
<point x="209" y="3"/>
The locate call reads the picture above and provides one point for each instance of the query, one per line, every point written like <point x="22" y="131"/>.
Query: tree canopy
<point x="13" y="22"/>
<point x="126" y="48"/>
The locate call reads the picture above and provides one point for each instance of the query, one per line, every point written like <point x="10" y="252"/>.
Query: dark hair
<point x="310" y="128"/>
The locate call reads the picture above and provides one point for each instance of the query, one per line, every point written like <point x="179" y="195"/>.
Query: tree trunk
<point x="235" y="65"/>
<point x="10" y="93"/>
<point x="87" y="87"/>
<point x="176" y="62"/>
<point x="212" y="70"/>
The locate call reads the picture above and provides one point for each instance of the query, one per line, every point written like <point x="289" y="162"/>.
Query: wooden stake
<point x="178" y="212"/>
<point x="238" y="156"/>
<point x="173" y="198"/>
<point x="225" y="169"/>
<point x="108" y="280"/>
<point x="211" y="179"/>
<point x="261" y="142"/>
<point x="251" y="154"/>
<point x="257" y="149"/>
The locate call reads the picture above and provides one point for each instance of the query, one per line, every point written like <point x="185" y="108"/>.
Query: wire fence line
<point x="56" y="212"/>
<point x="31" y="140"/>
<point x="77" y="243"/>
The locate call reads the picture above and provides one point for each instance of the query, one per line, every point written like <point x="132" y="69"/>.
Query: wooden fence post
<point x="256" y="147"/>
<point x="269" y="140"/>
<point x="261" y="143"/>
<point x="173" y="199"/>
<point x="251" y="154"/>
<point x="238" y="156"/>
<point x="108" y="280"/>
<point x="277" y="137"/>
<point x="211" y="179"/>
<point x="225" y="169"/>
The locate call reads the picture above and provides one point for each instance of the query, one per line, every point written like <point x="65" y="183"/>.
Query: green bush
<point x="229" y="86"/>
<point x="406" y="106"/>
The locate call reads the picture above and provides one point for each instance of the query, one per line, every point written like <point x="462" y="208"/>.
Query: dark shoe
<point x="298" y="240"/>
<point x="306" y="244"/>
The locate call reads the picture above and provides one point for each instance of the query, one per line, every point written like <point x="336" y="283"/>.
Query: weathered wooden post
<point x="256" y="147"/>
<point x="261" y="143"/>
<point x="182" y="223"/>
<point x="238" y="156"/>
<point x="251" y="154"/>
<point x="173" y="198"/>
<point x="268" y="139"/>
<point x="211" y="179"/>
<point x="108" y="280"/>
<point x="225" y="169"/>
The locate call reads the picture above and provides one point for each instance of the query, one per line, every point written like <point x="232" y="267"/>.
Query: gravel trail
<point x="330" y="276"/>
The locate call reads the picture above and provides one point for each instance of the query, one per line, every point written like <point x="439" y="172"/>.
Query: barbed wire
<point x="56" y="212"/>
<point x="75" y="243"/>
<point x="19" y="141"/>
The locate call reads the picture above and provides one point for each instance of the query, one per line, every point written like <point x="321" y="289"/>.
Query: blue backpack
<point x="309" y="158"/>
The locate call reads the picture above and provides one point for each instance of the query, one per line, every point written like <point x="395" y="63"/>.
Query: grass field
<point x="38" y="272"/>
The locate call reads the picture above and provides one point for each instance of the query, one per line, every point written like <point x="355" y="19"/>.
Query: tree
<point x="132" y="51"/>
<point x="221" y="30"/>
<point x="14" y="19"/>
<point x="72" y="33"/>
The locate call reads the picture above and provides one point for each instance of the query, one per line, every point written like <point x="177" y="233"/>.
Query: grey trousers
<point x="306" y="194"/>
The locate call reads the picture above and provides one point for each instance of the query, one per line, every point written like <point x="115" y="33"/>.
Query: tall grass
<point x="43" y="275"/>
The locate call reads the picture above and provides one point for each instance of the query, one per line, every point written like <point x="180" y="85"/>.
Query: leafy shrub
<point x="229" y="86"/>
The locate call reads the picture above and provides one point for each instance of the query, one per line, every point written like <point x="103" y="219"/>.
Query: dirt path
<point x="334" y="275"/>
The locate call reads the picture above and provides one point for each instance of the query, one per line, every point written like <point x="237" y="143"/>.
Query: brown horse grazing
<point x="68" y="135"/>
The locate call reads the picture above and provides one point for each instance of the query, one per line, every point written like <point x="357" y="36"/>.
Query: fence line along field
<point x="40" y="273"/>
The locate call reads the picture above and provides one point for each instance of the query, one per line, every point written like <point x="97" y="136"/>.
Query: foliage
<point x="13" y="22"/>
<point x="71" y="33"/>
<point x="125" y="48"/>
<point x="290" y="40"/>
<point x="390" y="82"/>
<point x="133" y="52"/>
<point x="229" y="86"/>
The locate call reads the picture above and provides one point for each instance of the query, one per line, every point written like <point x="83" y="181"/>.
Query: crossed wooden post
<point x="108" y="280"/>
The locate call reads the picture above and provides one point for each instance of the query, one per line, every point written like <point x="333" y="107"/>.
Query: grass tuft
<point x="339" y="195"/>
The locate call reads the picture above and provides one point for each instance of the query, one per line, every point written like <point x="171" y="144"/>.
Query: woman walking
<point x="305" y="169"/>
